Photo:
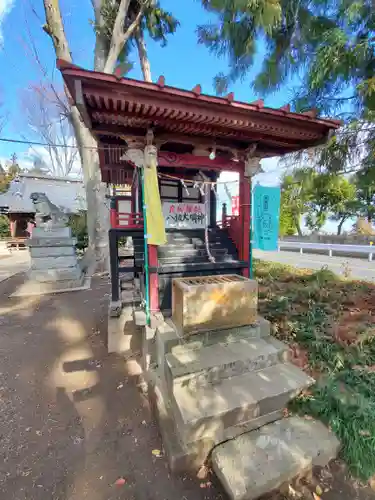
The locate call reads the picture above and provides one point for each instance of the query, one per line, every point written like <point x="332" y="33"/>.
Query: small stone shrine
<point x="54" y="266"/>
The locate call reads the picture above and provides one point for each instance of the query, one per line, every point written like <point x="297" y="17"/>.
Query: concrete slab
<point x="236" y="400"/>
<point x="61" y="274"/>
<point x="198" y="367"/>
<point x="260" y="461"/>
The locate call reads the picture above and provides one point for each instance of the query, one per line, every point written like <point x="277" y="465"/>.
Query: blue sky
<point x="183" y="62"/>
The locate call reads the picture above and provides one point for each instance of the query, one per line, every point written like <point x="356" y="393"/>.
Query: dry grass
<point x="330" y="326"/>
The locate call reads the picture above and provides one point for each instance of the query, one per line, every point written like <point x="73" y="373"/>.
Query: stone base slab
<point x="45" y="288"/>
<point x="42" y="263"/>
<point x="49" y="241"/>
<point x="261" y="461"/>
<point x="53" y="232"/>
<point x="55" y="251"/>
<point x="50" y="275"/>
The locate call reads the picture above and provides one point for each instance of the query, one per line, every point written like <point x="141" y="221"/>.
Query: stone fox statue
<point x="47" y="214"/>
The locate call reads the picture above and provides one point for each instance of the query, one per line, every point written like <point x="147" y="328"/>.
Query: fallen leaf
<point x="120" y="481"/>
<point x="319" y="490"/>
<point x="364" y="433"/>
<point x="203" y="472"/>
<point x="156" y="453"/>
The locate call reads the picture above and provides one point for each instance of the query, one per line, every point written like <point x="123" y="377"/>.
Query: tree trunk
<point x="143" y="58"/>
<point x="339" y="227"/>
<point x="297" y="224"/>
<point x="97" y="210"/>
<point x="105" y="59"/>
<point x="97" y="203"/>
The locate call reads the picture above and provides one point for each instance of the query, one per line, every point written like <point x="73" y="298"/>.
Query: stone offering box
<point x="213" y="302"/>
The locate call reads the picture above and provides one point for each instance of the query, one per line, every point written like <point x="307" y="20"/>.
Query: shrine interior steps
<point x="185" y="254"/>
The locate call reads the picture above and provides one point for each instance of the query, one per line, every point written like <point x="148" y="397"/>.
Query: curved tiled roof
<point x="66" y="194"/>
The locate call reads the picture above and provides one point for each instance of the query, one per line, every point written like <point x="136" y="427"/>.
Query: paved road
<point x="358" y="268"/>
<point x="12" y="263"/>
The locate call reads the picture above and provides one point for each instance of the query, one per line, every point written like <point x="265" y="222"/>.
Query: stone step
<point x="168" y="337"/>
<point x="178" y="238"/>
<point x="200" y="411"/>
<point x="260" y="461"/>
<point x="176" y="246"/>
<point x="195" y="259"/>
<point x="195" y="252"/>
<point x="214" y="244"/>
<point x="191" y="456"/>
<point x="192" y="367"/>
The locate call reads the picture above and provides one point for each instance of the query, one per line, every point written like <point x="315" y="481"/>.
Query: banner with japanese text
<point x="266" y="217"/>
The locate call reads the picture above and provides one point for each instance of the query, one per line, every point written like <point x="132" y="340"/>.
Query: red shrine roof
<point x="117" y="106"/>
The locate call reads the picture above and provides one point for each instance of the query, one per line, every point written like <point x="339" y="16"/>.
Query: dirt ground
<point x="73" y="420"/>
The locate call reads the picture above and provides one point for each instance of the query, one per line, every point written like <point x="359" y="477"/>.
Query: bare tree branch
<point x="143" y="57"/>
<point x="55" y="29"/>
<point x="48" y="122"/>
<point x="119" y="36"/>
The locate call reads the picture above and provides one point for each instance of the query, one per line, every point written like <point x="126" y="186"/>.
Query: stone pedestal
<point x="54" y="265"/>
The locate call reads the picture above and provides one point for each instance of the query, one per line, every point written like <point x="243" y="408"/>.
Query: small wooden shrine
<point x="197" y="136"/>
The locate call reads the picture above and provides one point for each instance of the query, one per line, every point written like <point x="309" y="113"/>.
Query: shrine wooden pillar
<point x="13" y="226"/>
<point x="244" y="214"/>
<point x="153" y="277"/>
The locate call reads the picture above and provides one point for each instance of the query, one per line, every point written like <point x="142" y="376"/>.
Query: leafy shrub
<point x="78" y="224"/>
<point x="4" y="226"/>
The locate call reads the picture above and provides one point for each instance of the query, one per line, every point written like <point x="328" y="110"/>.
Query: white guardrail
<point x="331" y="248"/>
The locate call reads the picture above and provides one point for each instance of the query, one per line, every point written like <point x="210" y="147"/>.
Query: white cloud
<point x="5" y="7"/>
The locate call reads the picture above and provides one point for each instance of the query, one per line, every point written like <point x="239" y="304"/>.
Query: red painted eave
<point x="71" y="71"/>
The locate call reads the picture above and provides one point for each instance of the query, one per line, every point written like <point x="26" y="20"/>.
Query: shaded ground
<point x="72" y="419"/>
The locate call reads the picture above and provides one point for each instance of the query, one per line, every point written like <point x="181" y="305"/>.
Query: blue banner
<point x="266" y="215"/>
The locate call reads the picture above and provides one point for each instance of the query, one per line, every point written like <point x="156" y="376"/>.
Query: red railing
<point x="233" y="225"/>
<point x="126" y="220"/>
